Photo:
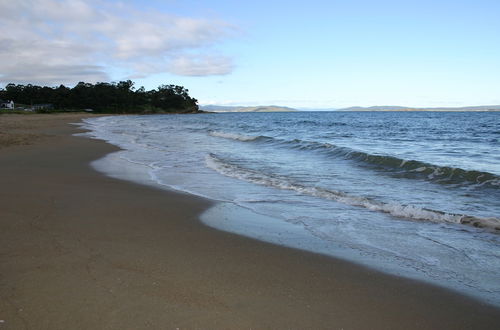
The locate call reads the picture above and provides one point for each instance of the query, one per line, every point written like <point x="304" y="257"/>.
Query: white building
<point x="6" y="104"/>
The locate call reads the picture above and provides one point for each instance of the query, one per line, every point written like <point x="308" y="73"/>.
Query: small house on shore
<point x="6" y="104"/>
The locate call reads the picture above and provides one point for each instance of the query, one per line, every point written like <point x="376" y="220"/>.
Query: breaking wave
<point x="395" y="209"/>
<point x="233" y="136"/>
<point x="407" y="168"/>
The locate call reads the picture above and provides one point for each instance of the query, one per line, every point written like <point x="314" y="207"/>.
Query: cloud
<point x="200" y="65"/>
<point x="42" y="74"/>
<point x="66" y="41"/>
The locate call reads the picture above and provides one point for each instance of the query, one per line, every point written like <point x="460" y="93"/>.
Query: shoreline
<point x="230" y="217"/>
<point x="82" y="250"/>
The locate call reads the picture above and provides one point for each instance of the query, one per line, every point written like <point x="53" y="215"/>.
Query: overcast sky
<point x="294" y="53"/>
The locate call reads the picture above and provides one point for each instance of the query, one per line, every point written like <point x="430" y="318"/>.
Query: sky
<point x="303" y="54"/>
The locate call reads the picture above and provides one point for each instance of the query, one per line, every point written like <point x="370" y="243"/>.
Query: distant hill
<point x="317" y="109"/>
<point x="221" y="108"/>
<point x="398" y="108"/>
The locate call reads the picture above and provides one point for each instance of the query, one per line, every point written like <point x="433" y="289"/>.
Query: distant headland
<point x="102" y="97"/>
<point x="275" y="108"/>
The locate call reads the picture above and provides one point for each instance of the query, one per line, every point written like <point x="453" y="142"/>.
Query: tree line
<point x="113" y="97"/>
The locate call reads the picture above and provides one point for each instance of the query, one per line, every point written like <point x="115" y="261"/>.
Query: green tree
<point x="112" y="97"/>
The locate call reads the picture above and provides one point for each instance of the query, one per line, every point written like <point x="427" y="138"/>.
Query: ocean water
<point x="415" y="194"/>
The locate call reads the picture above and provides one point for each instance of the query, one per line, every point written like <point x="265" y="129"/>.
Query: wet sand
<point x="79" y="250"/>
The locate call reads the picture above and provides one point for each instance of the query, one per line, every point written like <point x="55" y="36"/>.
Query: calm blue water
<point x="411" y="193"/>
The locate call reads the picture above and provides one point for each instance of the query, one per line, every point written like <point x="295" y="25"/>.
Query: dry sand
<point x="79" y="250"/>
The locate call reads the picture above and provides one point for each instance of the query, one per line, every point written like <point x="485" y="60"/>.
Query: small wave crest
<point x="395" y="209"/>
<point x="412" y="168"/>
<point x="409" y="168"/>
<point x="234" y="136"/>
<point x="404" y="167"/>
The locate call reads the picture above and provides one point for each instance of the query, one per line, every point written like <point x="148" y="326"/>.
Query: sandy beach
<point x="80" y="250"/>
